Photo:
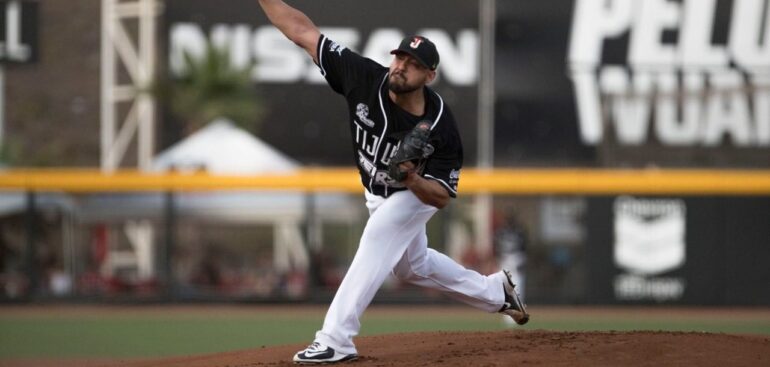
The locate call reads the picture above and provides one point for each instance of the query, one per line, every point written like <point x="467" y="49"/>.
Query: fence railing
<point x="473" y="181"/>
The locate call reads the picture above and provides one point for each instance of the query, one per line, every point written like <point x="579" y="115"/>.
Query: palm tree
<point x="211" y="87"/>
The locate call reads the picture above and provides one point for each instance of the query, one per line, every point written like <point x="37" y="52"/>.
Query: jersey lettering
<point x="370" y="149"/>
<point x="382" y="178"/>
<point x="366" y="164"/>
<point x="365" y="141"/>
<point x="390" y="151"/>
<point x="359" y="133"/>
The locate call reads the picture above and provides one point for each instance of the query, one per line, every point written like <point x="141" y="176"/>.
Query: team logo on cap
<point x="416" y="42"/>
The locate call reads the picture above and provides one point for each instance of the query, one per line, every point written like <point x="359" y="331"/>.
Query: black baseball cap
<point x="421" y="49"/>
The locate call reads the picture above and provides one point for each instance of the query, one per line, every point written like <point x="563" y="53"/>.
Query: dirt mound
<point x="514" y="348"/>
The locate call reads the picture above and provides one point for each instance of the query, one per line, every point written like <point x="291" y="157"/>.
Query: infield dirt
<point x="515" y="348"/>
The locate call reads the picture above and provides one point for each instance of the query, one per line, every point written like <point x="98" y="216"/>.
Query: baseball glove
<point x="414" y="148"/>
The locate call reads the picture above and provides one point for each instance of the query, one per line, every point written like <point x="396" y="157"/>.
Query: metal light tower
<point x="134" y="49"/>
<point x="129" y="40"/>
<point x="486" y="120"/>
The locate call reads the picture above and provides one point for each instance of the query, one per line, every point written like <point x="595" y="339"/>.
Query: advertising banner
<point x="631" y="83"/>
<point x="678" y="250"/>
<point x="302" y="112"/>
<point x="18" y="31"/>
<point x="635" y="82"/>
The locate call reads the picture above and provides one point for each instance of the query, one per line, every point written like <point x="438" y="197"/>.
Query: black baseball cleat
<point x="513" y="306"/>
<point x="318" y="353"/>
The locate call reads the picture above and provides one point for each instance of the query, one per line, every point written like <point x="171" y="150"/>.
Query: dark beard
<point x="401" y="88"/>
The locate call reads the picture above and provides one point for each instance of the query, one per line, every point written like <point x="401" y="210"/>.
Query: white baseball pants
<point x="394" y="240"/>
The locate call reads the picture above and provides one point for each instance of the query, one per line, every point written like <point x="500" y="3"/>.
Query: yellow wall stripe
<point x="498" y="181"/>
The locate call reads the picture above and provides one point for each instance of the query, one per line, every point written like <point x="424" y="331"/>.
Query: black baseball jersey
<point x="377" y="124"/>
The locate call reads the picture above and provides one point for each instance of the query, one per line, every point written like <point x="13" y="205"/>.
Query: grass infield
<point x="143" y="331"/>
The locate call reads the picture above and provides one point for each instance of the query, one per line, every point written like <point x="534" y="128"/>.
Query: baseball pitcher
<point x="409" y="155"/>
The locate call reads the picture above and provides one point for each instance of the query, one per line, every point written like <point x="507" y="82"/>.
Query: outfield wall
<point x="577" y="235"/>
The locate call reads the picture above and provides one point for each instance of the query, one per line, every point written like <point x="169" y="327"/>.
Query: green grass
<point x="729" y="327"/>
<point x="155" y="332"/>
<point x="149" y="336"/>
<point x="129" y="336"/>
<point x="122" y="338"/>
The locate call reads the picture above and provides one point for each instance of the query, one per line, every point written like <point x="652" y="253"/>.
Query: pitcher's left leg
<point x="429" y="268"/>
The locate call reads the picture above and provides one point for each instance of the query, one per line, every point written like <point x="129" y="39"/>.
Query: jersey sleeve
<point x="445" y="163"/>
<point x="343" y="68"/>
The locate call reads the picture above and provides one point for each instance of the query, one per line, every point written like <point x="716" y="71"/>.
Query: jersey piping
<point x="441" y="182"/>
<point x="440" y="110"/>
<point x="384" y="130"/>
<point x="320" y="54"/>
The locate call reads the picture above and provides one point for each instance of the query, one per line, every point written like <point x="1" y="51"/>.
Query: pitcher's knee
<point x="403" y="271"/>
<point x="407" y="271"/>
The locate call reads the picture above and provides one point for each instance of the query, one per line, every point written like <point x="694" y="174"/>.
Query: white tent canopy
<point x="225" y="149"/>
<point x="222" y="148"/>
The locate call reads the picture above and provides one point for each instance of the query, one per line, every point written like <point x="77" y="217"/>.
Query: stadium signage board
<point x="301" y="110"/>
<point x="18" y="31"/>
<point x="634" y="83"/>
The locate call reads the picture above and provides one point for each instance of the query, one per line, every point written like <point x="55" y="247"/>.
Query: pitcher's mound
<point x="517" y="348"/>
